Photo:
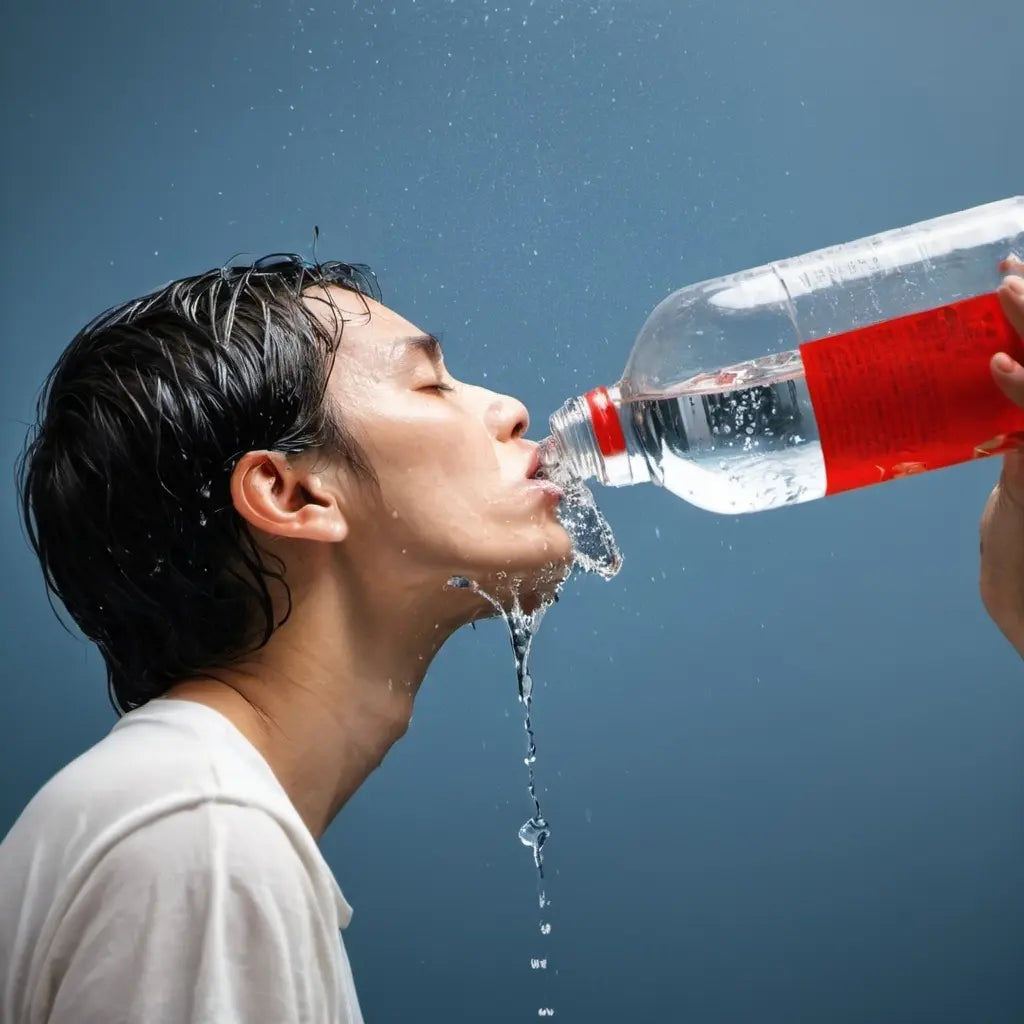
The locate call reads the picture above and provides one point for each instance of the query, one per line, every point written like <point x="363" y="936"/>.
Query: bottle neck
<point x="575" y="447"/>
<point x="593" y="437"/>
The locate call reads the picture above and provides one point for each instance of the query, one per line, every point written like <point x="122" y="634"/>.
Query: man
<point x="250" y="489"/>
<point x="198" y="450"/>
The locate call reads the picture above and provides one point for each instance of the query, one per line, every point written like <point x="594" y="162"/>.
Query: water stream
<point x="594" y="551"/>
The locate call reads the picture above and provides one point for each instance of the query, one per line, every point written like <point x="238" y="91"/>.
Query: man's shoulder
<point x="193" y="847"/>
<point x="152" y="766"/>
<point x="159" y="831"/>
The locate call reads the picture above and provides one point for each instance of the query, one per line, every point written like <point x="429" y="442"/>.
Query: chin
<point x="531" y="586"/>
<point x="542" y="594"/>
<point x="528" y="572"/>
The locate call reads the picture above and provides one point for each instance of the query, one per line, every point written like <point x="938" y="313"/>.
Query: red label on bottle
<point x="604" y="418"/>
<point x="912" y="394"/>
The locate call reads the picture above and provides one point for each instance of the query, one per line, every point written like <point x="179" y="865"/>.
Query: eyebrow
<point x="427" y="343"/>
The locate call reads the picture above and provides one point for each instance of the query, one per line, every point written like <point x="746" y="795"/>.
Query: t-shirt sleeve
<point x="206" y="916"/>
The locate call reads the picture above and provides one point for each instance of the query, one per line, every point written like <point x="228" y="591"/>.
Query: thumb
<point x="1009" y="375"/>
<point x="1011" y="293"/>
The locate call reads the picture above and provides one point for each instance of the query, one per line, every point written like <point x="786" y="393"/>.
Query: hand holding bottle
<point x="1002" y="523"/>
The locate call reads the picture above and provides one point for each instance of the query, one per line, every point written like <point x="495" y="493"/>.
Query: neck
<point x="326" y="698"/>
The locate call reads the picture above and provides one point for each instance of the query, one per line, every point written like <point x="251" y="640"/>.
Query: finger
<point x="1011" y="298"/>
<point x="1009" y="375"/>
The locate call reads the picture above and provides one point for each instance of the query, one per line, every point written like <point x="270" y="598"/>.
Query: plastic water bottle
<point x="846" y="367"/>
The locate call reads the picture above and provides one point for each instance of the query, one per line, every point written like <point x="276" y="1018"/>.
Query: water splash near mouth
<point x="594" y="551"/>
<point x="593" y="543"/>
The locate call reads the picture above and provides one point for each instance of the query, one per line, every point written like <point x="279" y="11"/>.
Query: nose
<point x="508" y="417"/>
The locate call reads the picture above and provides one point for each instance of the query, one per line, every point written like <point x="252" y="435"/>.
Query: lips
<point x="547" y="486"/>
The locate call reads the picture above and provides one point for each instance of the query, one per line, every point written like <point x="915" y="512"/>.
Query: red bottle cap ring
<point x="604" y="418"/>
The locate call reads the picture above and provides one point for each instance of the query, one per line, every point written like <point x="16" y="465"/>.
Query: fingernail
<point x="1003" y="363"/>
<point x="1015" y="286"/>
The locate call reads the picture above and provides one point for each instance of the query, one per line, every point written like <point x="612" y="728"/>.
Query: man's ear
<point x="280" y="498"/>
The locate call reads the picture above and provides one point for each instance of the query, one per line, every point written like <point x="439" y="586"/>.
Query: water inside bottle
<point x="743" y="439"/>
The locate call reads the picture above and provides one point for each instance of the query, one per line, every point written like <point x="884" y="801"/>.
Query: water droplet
<point x="526" y="686"/>
<point x="534" y="833"/>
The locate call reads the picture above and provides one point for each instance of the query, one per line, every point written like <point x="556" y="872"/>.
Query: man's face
<point x="454" y="469"/>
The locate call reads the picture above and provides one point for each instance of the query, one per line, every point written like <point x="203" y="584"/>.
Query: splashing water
<point x="594" y="551"/>
<point x="593" y="543"/>
<point x="521" y="630"/>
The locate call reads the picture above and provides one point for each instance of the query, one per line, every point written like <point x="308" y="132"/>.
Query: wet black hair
<point x="124" y="479"/>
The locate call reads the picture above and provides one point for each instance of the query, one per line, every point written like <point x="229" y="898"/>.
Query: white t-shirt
<point x="164" y="877"/>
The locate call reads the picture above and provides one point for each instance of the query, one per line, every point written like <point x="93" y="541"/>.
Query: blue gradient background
<point x="782" y="755"/>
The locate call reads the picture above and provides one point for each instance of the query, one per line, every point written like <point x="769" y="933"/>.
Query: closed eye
<point x="439" y="386"/>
